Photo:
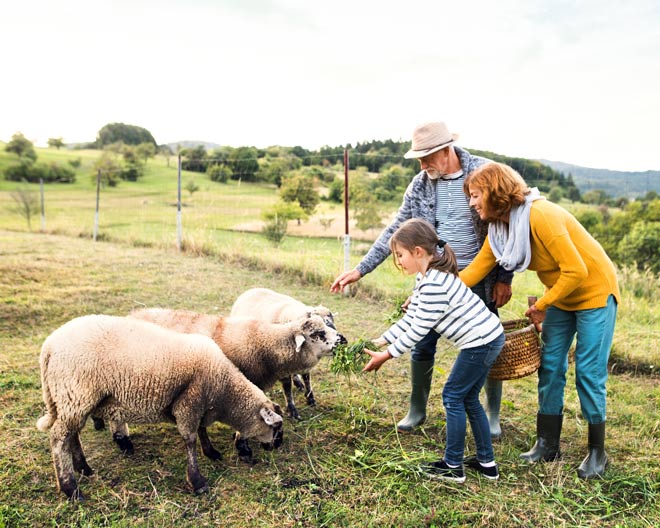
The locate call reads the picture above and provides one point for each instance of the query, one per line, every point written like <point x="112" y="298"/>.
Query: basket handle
<point x="531" y="300"/>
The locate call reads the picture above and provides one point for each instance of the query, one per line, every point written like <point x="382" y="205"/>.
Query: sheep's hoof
<point x="99" y="424"/>
<point x="124" y="443"/>
<point x="310" y="400"/>
<point x="213" y="454"/>
<point x="86" y="470"/>
<point x="204" y="488"/>
<point x="293" y="412"/>
<point x="76" y="495"/>
<point x="248" y="459"/>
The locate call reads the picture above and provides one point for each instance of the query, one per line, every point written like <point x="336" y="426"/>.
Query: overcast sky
<point x="572" y="81"/>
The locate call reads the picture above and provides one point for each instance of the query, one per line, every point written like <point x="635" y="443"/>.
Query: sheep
<point x="123" y="369"/>
<point x="275" y="307"/>
<point x="263" y="351"/>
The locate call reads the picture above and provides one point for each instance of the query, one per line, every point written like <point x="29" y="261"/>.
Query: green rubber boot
<point x="548" y="431"/>
<point x="421" y="374"/>
<point x="596" y="461"/>
<point x="493" y="391"/>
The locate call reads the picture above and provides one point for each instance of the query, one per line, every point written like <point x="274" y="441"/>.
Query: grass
<point x="343" y="464"/>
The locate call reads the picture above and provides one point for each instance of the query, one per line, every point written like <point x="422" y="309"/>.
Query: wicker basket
<point x="521" y="355"/>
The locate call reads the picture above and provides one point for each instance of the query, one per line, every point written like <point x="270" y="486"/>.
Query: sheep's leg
<point x="79" y="461"/>
<point x="309" y="393"/>
<point x="207" y="448"/>
<point x="244" y="449"/>
<point x="111" y="411"/>
<point x="60" y="445"/>
<point x="288" y="394"/>
<point x="121" y="437"/>
<point x="297" y="381"/>
<point x="188" y="420"/>
<point x="198" y="483"/>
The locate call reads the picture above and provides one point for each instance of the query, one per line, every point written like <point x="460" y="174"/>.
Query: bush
<point x="219" y="173"/>
<point x="642" y="246"/>
<point x="275" y="230"/>
<point x="31" y="172"/>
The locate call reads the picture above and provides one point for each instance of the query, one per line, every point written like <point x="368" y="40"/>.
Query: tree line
<point x="379" y="174"/>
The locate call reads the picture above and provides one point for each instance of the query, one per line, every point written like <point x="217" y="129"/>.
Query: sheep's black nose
<point x="277" y="441"/>
<point x="341" y="340"/>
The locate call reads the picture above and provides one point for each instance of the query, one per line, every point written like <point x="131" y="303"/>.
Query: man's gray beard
<point x="433" y="174"/>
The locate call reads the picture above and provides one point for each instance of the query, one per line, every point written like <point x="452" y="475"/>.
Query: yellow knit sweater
<point x="573" y="266"/>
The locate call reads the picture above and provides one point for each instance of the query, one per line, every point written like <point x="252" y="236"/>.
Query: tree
<point x="57" y="143"/>
<point x="277" y="219"/>
<point x="244" y="164"/>
<point x="362" y="200"/>
<point x="133" y="166"/>
<point x="26" y="203"/>
<point x="146" y="151"/>
<point x="300" y="188"/>
<point x="556" y="194"/>
<point x="166" y="152"/>
<point x="194" y="159"/>
<point x="110" y="169"/>
<point x="191" y="187"/>
<point x="642" y="246"/>
<point x="127" y="134"/>
<point x="22" y="147"/>
<point x="219" y="173"/>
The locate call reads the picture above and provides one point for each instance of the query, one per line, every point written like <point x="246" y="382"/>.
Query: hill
<point x="614" y="183"/>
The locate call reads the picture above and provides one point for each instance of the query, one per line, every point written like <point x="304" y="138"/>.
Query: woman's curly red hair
<point x="501" y="186"/>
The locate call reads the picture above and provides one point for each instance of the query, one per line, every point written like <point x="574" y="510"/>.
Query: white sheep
<point x="274" y="307"/>
<point x="263" y="351"/>
<point x="126" y="370"/>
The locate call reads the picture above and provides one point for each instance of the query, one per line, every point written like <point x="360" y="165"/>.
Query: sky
<point x="564" y="80"/>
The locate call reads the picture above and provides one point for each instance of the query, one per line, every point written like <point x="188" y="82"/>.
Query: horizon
<point x="556" y="80"/>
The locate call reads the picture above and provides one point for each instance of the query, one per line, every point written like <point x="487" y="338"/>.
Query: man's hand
<point x="501" y="294"/>
<point x="345" y="279"/>
<point x="377" y="359"/>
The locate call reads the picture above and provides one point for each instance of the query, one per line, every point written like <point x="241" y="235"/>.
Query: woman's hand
<point x="535" y="316"/>
<point x="377" y="359"/>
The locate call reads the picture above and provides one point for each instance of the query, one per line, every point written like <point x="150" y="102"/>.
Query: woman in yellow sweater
<point x="581" y="296"/>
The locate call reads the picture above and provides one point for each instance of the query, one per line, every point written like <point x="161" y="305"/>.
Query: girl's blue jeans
<point x="460" y="397"/>
<point x="594" y="329"/>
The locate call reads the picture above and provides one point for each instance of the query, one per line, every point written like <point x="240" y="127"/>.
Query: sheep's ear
<point x="300" y="339"/>
<point x="270" y="417"/>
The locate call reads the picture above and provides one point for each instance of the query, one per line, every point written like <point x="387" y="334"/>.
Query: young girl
<point x="441" y="303"/>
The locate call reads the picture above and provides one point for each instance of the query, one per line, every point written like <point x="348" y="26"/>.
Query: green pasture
<point x="343" y="464"/>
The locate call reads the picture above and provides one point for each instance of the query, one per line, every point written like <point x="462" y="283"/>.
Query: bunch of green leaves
<point x="397" y="312"/>
<point x="351" y="358"/>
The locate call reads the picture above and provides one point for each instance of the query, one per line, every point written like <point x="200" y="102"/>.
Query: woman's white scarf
<point x="510" y="242"/>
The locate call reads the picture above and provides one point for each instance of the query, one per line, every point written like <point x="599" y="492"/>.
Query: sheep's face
<point x="268" y="428"/>
<point x="316" y="339"/>
<point x="329" y="320"/>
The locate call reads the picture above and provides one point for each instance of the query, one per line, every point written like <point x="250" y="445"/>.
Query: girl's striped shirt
<point x="443" y="303"/>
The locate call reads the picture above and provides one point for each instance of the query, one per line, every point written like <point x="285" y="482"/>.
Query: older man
<point x="436" y="195"/>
